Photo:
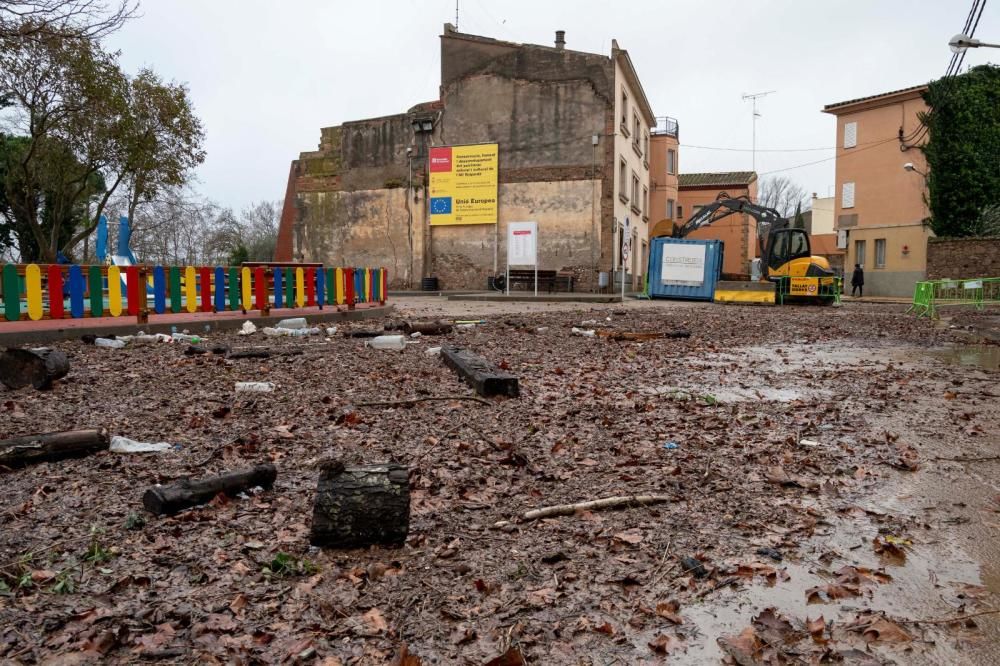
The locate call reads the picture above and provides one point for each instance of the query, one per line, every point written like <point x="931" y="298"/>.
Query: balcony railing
<point x="668" y="126"/>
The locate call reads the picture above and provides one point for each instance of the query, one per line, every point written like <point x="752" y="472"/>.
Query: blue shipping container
<point x="680" y="268"/>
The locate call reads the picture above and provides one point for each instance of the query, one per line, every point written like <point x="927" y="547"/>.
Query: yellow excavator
<point x="785" y="253"/>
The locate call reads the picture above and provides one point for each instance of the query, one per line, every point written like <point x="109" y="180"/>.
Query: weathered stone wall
<point x="960" y="258"/>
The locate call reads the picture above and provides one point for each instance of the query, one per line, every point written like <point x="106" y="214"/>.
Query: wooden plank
<point x="331" y="286"/>
<point x="115" y="291"/>
<point x="175" y="288"/>
<point x="55" y="292"/>
<point x="289" y="288"/>
<point x="339" y="282"/>
<point x="134" y="290"/>
<point x="260" y="289"/>
<point x="190" y="289"/>
<point x="321" y="288"/>
<point x="300" y="287"/>
<point x="310" y="274"/>
<point x="220" y="289"/>
<point x="279" y="295"/>
<point x="479" y="373"/>
<point x="205" y="284"/>
<point x="234" y="288"/>
<point x="33" y="291"/>
<point x="246" y="289"/>
<point x="77" y="287"/>
<point x="96" y="291"/>
<point x="349" y="287"/>
<point x="159" y="290"/>
<point x="11" y="293"/>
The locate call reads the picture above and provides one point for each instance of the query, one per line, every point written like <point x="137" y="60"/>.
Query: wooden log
<point x="50" y="446"/>
<point x="480" y="373"/>
<point x="37" y="367"/>
<point x="185" y="493"/>
<point x="428" y="327"/>
<point x="361" y="506"/>
<point x="262" y="352"/>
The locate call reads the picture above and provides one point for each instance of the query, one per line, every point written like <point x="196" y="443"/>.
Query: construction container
<point x="682" y="268"/>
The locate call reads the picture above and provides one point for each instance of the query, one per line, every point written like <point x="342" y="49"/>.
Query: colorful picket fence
<point x="54" y="291"/>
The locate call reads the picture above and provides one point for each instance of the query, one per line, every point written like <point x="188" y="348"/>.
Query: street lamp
<point x="959" y="43"/>
<point x="909" y="167"/>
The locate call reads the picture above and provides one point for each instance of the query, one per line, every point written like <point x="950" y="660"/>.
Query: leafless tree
<point x="782" y="194"/>
<point x="91" y="19"/>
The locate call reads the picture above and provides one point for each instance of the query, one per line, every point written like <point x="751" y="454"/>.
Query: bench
<point x="547" y="279"/>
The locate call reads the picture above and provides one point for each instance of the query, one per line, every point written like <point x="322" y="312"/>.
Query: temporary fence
<point x="826" y="289"/>
<point x="59" y="291"/>
<point x="930" y="295"/>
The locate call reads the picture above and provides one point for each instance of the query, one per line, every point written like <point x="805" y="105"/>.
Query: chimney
<point x="560" y="39"/>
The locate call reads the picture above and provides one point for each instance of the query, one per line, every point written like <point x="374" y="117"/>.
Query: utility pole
<point x="456" y="15"/>
<point x="755" y="97"/>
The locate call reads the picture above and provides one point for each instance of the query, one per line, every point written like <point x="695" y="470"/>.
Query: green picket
<point x="175" y="289"/>
<point x="234" y="288"/>
<point x="11" y="293"/>
<point x="96" y="281"/>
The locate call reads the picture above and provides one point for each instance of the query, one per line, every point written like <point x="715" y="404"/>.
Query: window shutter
<point x="847" y="196"/>
<point x="850" y="135"/>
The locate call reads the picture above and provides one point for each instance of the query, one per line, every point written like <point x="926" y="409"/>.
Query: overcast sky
<point x="265" y="76"/>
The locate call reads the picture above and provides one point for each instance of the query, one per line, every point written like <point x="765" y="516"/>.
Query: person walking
<point x="858" y="281"/>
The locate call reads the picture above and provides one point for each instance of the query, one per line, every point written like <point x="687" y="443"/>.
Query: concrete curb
<point x="196" y="327"/>
<point x="541" y="298"/>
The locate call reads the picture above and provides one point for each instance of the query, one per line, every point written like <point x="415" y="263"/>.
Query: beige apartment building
<point x="664" y="163"/>
<point x="880" y="208"/>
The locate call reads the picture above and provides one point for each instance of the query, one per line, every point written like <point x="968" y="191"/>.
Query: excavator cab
<point x="788" y="254"/>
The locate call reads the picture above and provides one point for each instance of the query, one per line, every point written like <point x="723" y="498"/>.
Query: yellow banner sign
<point x="463" y="184"/>
<point x="802" y="286"/>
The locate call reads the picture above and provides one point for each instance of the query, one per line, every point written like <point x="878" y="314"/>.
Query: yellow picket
<point x="300" y="287"/>
<point x="190" y="289"/>
<point x="115" y="291"/>
<point x="245" y="291"/>
<point x="340" y="286"/>
<point x="33" y="283"/>
<point x="368" y="285"/>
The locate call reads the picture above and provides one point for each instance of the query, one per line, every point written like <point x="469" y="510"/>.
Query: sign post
<point x="522" y="248"/>
<point x="626" y="252"/>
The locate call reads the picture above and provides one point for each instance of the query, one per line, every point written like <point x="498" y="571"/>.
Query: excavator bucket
<point x="747" y="293"/>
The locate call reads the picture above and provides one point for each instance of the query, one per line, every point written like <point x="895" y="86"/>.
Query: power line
<point x="780" y="150"/>
<point x="828" y="159"/>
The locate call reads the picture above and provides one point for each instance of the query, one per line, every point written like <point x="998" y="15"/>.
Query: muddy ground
<point x="831" y="477"/>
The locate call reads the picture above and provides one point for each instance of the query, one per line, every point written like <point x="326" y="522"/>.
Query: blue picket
<point x="220" y="289"/>
<point x="77" y="287"/>
<point x="159" y="290"/>
<point x="278" y="293"/>
<point x="320" y="287"/>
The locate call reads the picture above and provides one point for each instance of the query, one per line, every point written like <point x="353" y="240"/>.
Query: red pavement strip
<point x="16" y="332"/>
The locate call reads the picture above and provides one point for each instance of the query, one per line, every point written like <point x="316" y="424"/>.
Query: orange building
<point x="738" y="232"/>
<point x="664" y="164"/>
<point x="880" y="210"/>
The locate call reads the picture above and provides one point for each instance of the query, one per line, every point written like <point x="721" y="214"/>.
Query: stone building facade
<point x="556" y="115"/>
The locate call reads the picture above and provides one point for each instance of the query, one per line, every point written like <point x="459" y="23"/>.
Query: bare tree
<point x="90" y="19"/>
<point x="782" y="194"/>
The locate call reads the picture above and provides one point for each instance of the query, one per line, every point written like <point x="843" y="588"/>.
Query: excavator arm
<point x="768" y="219"/>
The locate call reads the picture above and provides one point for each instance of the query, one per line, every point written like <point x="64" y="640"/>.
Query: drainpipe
<point x="409" y="215"/>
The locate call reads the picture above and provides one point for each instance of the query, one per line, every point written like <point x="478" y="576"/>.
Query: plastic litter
<point x="589" y="322"/>
<point x="125" y="445"/>
<point x="254" y="387"/>
<point x="464" y="327"/>
<point x="809" y="442"/>
<point x="110" y="344"/>
<point x="302" y="332"/>
<point x="586" y="333"/>
<point x="671" y="446"/>
<point x="433" y="351"/>
<point x="416" y="334"/>
<point x="294" y="323"/>
<point x="332" y="331"/>
<point x="277" y="332"/>
<point x="541" y="329"/>
<point x="249" y="328"/>
<point x="184" y="337"/>
<point x="395" y="342"/>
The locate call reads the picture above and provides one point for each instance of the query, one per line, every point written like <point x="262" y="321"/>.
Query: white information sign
<point x="683" y="264"/>
<point x="522" y="243"/>
<point x="626" y="244"/>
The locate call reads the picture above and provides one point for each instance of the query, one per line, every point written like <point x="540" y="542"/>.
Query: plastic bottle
<point x="586" y="333"/>
<point x="396" y="342"/>
<point x="295" y="323"/>
<point x="433" y="351"/>
<point x="254" y="387"/>
<point x="464" y="327"/>
<point x="184" y="337"/>
<point x="110" y="344"/>
<point x="303" y="332"/>
<point x="277" y="332"/>
<point x="332" y="331"/>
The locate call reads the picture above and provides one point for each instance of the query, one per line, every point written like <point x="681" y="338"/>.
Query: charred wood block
<point x="186" y="493"/>
<point x="361" y="506"/>
<point x="480" y="374"/>
<point x="37" y="367"/>
<point x="51" y="446"/>
<point x="428" y="327"/>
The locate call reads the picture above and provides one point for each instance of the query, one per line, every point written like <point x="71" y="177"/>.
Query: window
<point x="847" y="195"/>
<point x="680" y="212"/>
<point x="623" y="179"/>
<point x="624" y="120"/>
<point x="859" y="253"/>
<point x="850" y="135"/>
<point x="645" y="201"/>
<point x="671" y="161"/>
<point x="670" y="209"/>
<point x="635" y="127"/>
<point x="879" y="253"/>
<point x="798" y="244"/>
<point x="635" y="192"/>
<point x="645" y="147"/>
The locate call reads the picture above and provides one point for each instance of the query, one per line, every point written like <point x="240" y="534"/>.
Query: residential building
<point x="573" y="135"/>
<point x="819" y="224"/>
<point x="738" y="232"/>
<point x="880" y="208"/>
<point x="664" y="165"/>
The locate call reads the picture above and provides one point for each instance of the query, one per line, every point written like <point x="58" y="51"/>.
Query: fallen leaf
<point x="885" y="631"/>
<point x="376" y="620"/>
<point x="773" y="628"/>
<point x="816" y="628"/>
<point x="665" y="644"/>
<point x="822" y="594"/>
<point x="889" y="550"/>
<point x="512" y="657"/>
<point x="238" y="603"/>
<point x="629" y="536"/>
<point x="744" y="649"/>
<point x="668" y="611"/>
<point x="404" y="658"/>
<point x="605" y="628"/>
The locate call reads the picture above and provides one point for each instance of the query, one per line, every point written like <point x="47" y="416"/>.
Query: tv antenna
<point x="756" y="114"/>
<point x="456" y="15"/>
